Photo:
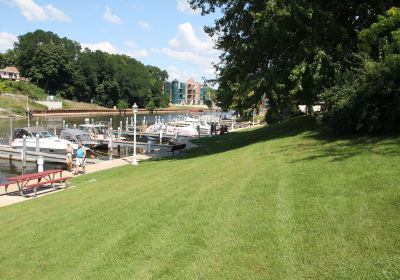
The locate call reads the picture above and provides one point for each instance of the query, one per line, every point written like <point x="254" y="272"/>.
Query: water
<point x="10" y="168"/>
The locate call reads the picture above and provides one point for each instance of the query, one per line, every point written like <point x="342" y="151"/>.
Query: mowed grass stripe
<point x="283" y="202"/>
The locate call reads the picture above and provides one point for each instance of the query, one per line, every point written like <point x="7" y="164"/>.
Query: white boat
<point x="48" y="142"/>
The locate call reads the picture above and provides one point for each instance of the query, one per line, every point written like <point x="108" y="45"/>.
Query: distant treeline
<point x="62" y="68"/>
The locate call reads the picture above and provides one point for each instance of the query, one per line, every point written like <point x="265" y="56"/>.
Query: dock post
<point x="144" y="121"/>
<point x="55" y="131"/>
<point x="40" y="163"/>
<point x="119" y="133"/>
<point x="66" y="126"/>
<point x="63" y="124"/>
<point x="74" y="126"/>
<point x="149" y="145"/>
<point x="37" y="149"/>
<point x="24" y="151"/>
<point x="110" y="124"/>
<point x="126" y="124"/>
<point x="110" y="140"/>
<point x="161" y="134"/>
<point x="37" y="123"/>
<point x="11" y="131"/>
<point x="132" y="121"/>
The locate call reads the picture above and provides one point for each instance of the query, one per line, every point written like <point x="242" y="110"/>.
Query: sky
<point x="164" y="33"/>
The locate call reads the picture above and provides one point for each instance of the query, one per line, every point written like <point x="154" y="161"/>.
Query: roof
<point x="11" y="69"/>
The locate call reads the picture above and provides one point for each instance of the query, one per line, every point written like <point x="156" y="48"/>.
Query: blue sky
<point x="164" y="33"/>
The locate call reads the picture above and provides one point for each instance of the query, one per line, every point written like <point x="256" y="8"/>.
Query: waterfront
<point x="9" y="168"/>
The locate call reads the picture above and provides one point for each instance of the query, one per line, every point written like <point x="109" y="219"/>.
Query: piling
<point x="23" y="151"/>
<point x="149" y="145"/>
<point x="37" y="149"/>
<point x="11" y="131"/>
<point x="119" y="133"/>
<point x="40" y="163"/>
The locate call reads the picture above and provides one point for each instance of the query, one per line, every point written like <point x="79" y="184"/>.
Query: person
<point x="69" y="151"/>
<point x="80" y="158"/>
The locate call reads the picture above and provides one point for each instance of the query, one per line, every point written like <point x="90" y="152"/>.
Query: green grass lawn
<point x="283" y="202"/>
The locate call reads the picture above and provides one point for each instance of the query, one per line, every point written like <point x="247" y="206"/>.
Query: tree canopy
<point x="61" y="67"/>
<point x="289" y="50"/>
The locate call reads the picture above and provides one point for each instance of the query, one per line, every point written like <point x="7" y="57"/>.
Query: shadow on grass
<point x="236" y="140"/>
<point x="315" y="143"/>
<point x="339" y="148"/>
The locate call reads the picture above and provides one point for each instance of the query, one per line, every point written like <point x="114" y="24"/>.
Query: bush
<point x="369" y="103"/>
<point x="122" y="104"/>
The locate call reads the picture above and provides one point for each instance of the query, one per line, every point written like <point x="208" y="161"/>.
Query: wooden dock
<point x="6" y="152"/>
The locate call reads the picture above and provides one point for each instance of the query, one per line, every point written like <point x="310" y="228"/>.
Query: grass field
<point x="283" y="202"/>
<point x="72" y="105"/>
<point x="13" y="105"/>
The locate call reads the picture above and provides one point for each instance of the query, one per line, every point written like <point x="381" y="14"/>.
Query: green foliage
<point x="368" y="100"/>
<point x="291" y="51"/>
<point x="150" y="105"/>
<point x="122" y="104"/>
<point x="60" y="67"/>
<point x="24" y="88"/>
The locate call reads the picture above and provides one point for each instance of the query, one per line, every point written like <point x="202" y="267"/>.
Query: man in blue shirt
<point x="80" y="158"/>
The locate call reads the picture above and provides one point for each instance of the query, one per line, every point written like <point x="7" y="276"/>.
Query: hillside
<point x="283" y="202"/>
<point x="13" y="99"/>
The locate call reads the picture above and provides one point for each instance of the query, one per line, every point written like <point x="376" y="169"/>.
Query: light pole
<point x="135" y="110"/>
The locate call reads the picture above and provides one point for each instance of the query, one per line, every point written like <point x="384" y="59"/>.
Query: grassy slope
<point x="282" y="202"/>
<point x="72" y="105"/>
<point x="17" y="105"/>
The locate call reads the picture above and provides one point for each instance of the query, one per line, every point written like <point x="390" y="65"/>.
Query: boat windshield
<point x="45" y="134"/>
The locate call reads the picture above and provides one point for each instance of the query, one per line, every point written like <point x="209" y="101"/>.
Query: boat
<point x="48" y="141"/>
<point x="188" y="127"/>
<point x="92" y="135"/>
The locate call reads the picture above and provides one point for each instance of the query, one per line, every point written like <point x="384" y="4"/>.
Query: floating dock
<point x="6" y="152"/>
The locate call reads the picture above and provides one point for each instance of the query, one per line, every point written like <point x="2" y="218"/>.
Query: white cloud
<point x="7" y="41"/>
<point x="131" y="44"/>
<point x="184" y="7"/>
<point x="188" y="47"/>
<point x="175" y="73"/>
<point x="102" y="46"/>
<point x="111" y="49"/>
<point x="110" y="17"/>
<point x="56" y="14"/>
<point x="144" y="25"/>
<point x="142" y="53"/>
<point x="34" y="12"/>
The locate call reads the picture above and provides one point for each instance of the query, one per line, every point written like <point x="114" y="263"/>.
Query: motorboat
<point x="188" y="127"/>
<point x="91" y="134"/>
<point x="47" y="140"/>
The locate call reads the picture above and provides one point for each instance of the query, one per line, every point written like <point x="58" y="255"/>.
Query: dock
<point x="6" y="152"/>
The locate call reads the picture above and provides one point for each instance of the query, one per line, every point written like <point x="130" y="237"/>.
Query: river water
<point x="9" y="168"/>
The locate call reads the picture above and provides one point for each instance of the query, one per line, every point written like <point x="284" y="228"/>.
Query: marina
<point x="106" y="138"/>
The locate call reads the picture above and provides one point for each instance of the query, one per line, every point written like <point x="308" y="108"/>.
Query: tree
<point x="368" y="99"/>
<point x="289" y="50"/>
<point x="51" y="67"/>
